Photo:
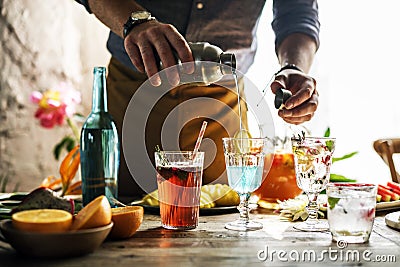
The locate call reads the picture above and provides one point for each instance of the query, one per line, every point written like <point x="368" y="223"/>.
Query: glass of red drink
<point x="179" y="175"/>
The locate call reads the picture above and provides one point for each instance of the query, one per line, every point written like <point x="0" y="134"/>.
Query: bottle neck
<point x="228" y="63"/>
<point x="99" y="101"/>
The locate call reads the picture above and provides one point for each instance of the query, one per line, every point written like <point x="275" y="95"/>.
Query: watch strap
<point x="131" y="23"/>
<point x="288" y="67"/>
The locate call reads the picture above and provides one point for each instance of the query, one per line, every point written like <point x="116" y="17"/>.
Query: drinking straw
<point x="199" y="138"/>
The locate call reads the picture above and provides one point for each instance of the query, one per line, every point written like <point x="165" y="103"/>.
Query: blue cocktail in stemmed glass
<point x="244" y="159"/>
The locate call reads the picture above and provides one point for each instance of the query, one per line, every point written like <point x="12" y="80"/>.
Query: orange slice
<point x="95" y="214"/>
<point x="42" y="220"/>
<point x="126" y="221"/>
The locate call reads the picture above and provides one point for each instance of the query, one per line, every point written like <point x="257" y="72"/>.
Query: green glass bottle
<point x="99" y="146"/>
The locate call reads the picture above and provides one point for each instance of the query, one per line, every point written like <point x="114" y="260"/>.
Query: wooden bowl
<point x="54" y="245"/>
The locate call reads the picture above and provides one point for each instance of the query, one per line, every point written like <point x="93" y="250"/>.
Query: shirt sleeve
<point x="295" y="16"/>
<point x="85" y="4"/>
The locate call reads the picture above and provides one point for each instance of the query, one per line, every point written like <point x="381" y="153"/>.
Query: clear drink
<point x="179" y="186"/>
<point x="312" y="161"/>
<point x="351" y="211"/>
<point x="312" y="165"/>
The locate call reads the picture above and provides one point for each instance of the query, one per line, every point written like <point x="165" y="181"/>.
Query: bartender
<point x="143" y="32"/>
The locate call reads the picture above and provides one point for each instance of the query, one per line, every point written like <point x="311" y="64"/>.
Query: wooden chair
<point x="385" y="149"/>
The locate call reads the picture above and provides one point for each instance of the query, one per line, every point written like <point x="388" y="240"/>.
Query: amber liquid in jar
<point x="279" y="181"/>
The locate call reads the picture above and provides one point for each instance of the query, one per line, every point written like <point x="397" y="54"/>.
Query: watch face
<point x="140" y="15"/>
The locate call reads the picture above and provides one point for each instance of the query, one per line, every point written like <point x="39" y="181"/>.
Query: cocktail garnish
<point x="166" y="173"/>
<point x="161" y="156"/>
<point x="300" y="137"/>
<point x="329" y="144"/>
<point x="332" y="202"/>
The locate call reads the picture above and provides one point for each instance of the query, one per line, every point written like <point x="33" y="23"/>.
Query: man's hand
<point x="301" y="106"/>
<point x="152" y="38"/>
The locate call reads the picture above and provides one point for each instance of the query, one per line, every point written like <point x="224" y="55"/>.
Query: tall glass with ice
<point x="179" y="175"/>
<point x="351" y="211"/>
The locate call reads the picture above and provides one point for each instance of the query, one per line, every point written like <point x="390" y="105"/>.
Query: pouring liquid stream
<point x="234" y="74"/>
<point x="242" y="133"/>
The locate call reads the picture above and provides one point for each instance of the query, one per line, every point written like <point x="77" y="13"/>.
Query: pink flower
<point x="55" y="105"/>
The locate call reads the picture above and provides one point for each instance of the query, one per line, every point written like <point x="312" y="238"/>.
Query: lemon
<point x="221" y="194"/>
<point x="206" y="200"/>
<point x="243" y="133"/>
<point x="242" y="143"/>
<point x="151" y="199"/>
<point x="229" y="197"/>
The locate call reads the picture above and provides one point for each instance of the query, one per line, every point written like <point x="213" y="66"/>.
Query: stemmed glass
<point x="244" y="159"/>
<point x="312" y="160"/>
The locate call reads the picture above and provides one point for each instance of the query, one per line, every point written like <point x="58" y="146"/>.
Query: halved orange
<point x="95" y="214"/>
<point x="42" y="220"/>
<point x="126" y="221"/>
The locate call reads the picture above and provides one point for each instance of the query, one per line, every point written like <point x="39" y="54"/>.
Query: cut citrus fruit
<point x="42" y="220"/>
<point x="229" y="197"/>
<point x="206" y="200"/>
<point x="242" y="133"/>
<point x="95" y="214"/>
<point x="242" y="143"/>
<point x="151" y="198"/>
<point x="126" y="221"/>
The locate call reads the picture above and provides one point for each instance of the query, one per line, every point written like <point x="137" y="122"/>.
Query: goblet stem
<point x="312" y="209"/>
<point x="244" y="207"/>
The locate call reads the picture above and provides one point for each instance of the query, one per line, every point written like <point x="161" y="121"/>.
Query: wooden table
<point x="212" y="245"/>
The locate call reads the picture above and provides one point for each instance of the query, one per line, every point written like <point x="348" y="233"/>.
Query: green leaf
<point x="332" y="201"/>
<point x="340" y="178"/>
<point x="70" y="144"/>
<point x="327" y="132"/>
<point x="3" y="182"/>
<point x="329" y="144"/>
<point x="57" y="148"/>
<point x="67" y="142"/>
<point x="349" y="155"/>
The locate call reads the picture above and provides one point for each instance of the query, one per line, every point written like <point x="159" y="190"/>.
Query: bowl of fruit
<point x="55" y="233"/>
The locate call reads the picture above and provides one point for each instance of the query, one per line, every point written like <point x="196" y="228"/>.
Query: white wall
<point x="42" y="43"/>
<point x="356" y="68"/>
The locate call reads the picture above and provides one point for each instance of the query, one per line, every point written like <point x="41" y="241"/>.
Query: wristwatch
<point x="136" y="18"/>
